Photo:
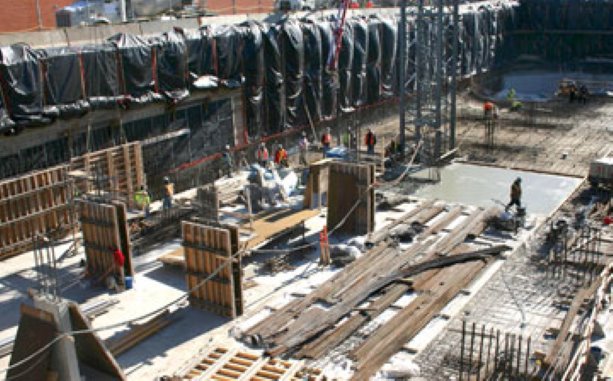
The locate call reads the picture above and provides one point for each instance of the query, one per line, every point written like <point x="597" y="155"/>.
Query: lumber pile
<point x="211" y="252"/>
<point x="228" y="189"/>
<point x="36" y="203"/>
<point x="304" y="329"/>
<point x="139" y="333"/>
<point x="348" y="184"/>
<point x="221" y="363"/>
<point x="117" y="172"/>
<point x="104" y="228"/>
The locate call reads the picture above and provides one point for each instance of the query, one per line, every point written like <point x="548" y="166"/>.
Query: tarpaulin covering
<point x="200" y="48"/>
<point x="293" y="57"/>
<point x="228" y="46"/>
<point x="373" y="64"/>
<point x="329" y="78"/>
<point x="21" y="81"/>
<point x="137" y="67"/>
<point x="313" y="67"/>
<point x="253" y="69"/>
<point x="101" y="72"/>
<point x="274" y="93"/>
<point x="345" y="66"/>
<point x="388" y="49"/>
<point x="64" y="81"/>
<point x="360" y="56"/>
<point x="172" y="65"/>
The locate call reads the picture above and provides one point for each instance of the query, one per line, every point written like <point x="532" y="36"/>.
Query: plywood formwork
<point x="36" y="203"/>
<point x="206" y="250"/>
<point x="104" y="228"/>
<point x="226" y="364"/>
<point x="349" y="183"/>
<point x="116" y="171"/>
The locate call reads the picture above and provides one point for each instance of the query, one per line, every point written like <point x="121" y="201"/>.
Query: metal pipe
<point x="480" y="353"/>
<point x="401" y="73"/>
<point x="454" y="74"/>
<point x="462" y="350"/>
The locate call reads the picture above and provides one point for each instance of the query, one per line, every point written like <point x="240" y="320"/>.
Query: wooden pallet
<point x="207" y="248"/>
<point x="104" y="227"/>
<point x="225" y="364"/>
<point x="117" y="171"/>
<point x="36" y="203"/>
<point x="348" y="183"/>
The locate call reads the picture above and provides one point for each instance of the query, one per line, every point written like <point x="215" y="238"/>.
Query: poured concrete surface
<point x="481" y="186"/>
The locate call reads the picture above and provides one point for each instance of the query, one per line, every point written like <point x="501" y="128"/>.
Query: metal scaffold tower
<point x="432" y="50"/>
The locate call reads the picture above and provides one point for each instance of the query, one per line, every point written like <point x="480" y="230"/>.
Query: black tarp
<point x="274" y="93"/>
<point x="200" y="45"/>
<point x="227" y="60"/>
<point x="360" y="57"/>
<point x="293" y="57"/>
<point x="137" y="67"/>
<point x="172" y="65"/>
<point x="21" y="81"/>
<point x="253" y="70"/>
<point x="64" y="87"/>
<point x="373" y="64"/>
<point x="313" y="66"/>
<point x="389" y="41"/>
<point x="100" y="64"/>
<point x="345" y="65"/>
<point x="6" y="124"/>
<point x="329" y="78"/>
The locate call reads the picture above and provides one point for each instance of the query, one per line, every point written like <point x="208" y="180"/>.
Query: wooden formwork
<point x="36" y="203"/>
<point x="316" y="190"/>
<point x="242" y="365"/>
<point x="206" y="249"/>
<point x="117" y="171"/>
<point x="348" y="183"/>
<point x="104" y="228"/>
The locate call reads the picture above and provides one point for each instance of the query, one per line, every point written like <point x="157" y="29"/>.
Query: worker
<point x="281" y="157"/>
<point x="583" y="93"/>
<point x="115" y="274"/>
<point x="572" y="93"/>
<point x="119" y="259"/>
<point x="370" y="4"/>
<point x="142" y="200"/>
<point x="326" y="139"/>
<point x="515" y="194"/>
<point x="303" y="147"/>
<point x="169" y="191"/>
<point x="489" y="110"/>
<point x="228" y="161"/>
<point x="262" y="155"/>
<point x="370" y="140"/>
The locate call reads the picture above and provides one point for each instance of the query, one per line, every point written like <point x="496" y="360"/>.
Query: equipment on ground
<point x="601" y="172"/>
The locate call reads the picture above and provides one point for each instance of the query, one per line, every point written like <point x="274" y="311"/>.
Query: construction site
<point x="411" y="192"/>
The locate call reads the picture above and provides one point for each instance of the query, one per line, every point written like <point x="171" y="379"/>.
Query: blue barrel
<point x="129" y="281"/>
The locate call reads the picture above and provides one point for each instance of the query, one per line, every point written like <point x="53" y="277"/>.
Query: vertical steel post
<point x="401" y="73"/>
<point x="454" y="74"/>
<point x="462" y="350"/>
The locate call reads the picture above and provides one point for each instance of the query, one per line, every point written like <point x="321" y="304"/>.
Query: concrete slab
<point x="481" y="186"/>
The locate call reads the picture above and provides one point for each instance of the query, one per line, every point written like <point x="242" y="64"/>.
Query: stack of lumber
<point x="138" y="333"/>
<point x="116" y="171"/>
<point x="104" y="228"/>
<point x="207" y="249"/>
<point x="349" y="183"/>
<point x="36" y="203"/>
<point x="241" y="365"/>
<point x="228" y="189"/>
<point x="304" y="328"/>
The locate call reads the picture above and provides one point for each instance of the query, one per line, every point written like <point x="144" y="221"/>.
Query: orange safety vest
<point x="280" y="155"/>
<point x="169" y="189"/>
<point x="326" y="139"/>
<point x="370" y="139"/>
<point x="262" y="154"/>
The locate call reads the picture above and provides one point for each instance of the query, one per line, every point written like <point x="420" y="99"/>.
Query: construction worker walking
<point x="142" y="199"/>
<point x="169" y="191"/>
<point x="262" y="155"/>
<point x="370" y="140"/>
<point x="281" y="157"/>
<point x="489" y="110"/>
<point x="228" y="161"/>
<point x="515" y="194"/>
<point x="303" y="147"/>
<point x="326" y="139"/>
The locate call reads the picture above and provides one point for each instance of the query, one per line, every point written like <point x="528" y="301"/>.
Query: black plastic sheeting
<point x="283" y="69"/>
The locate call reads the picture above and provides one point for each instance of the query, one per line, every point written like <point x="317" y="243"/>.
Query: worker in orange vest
<point x="370" y="4"/>
<point x="370" y="140"/>
<point x="326" y="139"/>
<point x="354" y="5"/>
<point x="281" y="157"/>
<point x="262" y="155"/>
<point x="169" y="191"/>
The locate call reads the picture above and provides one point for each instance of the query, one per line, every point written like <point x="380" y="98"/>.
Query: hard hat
<point x="280" y="145"/>
<point x="303" y="133"/>
<point x="227" y="146"/>
<point x="262" y="144"/>
<point x="166" y="179"/>
<point x="518" y="180"/>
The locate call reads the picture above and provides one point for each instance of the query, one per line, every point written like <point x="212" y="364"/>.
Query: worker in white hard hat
<point x="228" y="161"/>
<point x="515" y="194"/>
<point x="303" y="146"/>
